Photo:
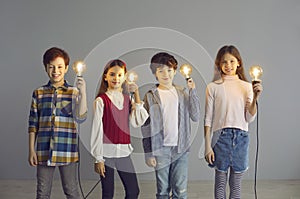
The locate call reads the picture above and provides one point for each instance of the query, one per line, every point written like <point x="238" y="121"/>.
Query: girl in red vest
<point x="110" y="136"/>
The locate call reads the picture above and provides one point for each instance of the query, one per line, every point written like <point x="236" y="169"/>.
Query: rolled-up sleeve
<point x="194" y="101"/>
<point x="146" y="132"/>
<point x="33" y="115"/>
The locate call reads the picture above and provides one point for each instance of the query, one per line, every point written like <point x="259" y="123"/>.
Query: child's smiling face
<point x="56" y="71"/>
<point x="165" y="75"/>
<point x="115" y="77"/>
<point x="229" y="64"/>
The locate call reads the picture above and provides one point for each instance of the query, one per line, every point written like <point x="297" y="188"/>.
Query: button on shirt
<point x="53" y="118"/>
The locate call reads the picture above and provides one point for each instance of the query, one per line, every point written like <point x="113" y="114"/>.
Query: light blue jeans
<point x="68" y="181"/>
<point x="171" y="174"/>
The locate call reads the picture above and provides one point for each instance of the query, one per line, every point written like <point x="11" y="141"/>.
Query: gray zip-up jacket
<point x="152" y="130"/>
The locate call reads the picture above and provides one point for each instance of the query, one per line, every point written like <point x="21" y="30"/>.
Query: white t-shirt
<point x="169" y="106"/>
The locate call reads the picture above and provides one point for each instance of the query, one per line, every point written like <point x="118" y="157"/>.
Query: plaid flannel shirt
<point x="53" y="117"/>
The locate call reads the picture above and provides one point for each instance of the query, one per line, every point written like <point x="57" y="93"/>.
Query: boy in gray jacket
<point x="167" y="131"/>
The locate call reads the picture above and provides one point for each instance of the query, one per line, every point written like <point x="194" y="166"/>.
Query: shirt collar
<point x="226" y="78"/>
<point x="230" y="77"/>
<point x="65" y="86"/>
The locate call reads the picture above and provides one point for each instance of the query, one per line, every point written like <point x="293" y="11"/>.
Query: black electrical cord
<point x="256" y="154"/>
<point x="78" y="168"/>
<point x="78" y="172"/>
<point x="255" y="167"/>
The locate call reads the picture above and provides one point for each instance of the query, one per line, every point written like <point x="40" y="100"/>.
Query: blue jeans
<point x="68" y="181"/>
<point x="171" y="174"/>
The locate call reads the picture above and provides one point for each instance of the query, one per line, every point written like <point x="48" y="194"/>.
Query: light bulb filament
<point x="255" y="72"/>
<point x="186" y="70"/>
<point x="131" y="77"/>
<point x="79" y="68"/>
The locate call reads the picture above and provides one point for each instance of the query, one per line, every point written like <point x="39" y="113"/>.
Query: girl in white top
<point x="230" y="107"/>
<point x="110" y="136"/>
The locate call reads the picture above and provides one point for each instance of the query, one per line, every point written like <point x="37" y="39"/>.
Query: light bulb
<point x="131" y="77"/>
<point x="255" y="73"/>
<point x="79" y="68"/>
<point x="186" y="70"/>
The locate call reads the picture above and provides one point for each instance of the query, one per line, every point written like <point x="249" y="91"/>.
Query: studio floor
<point x="266" y="189"/>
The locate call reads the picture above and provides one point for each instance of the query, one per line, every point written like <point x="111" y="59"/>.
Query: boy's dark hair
<point x="162" y="58"/>
<point x="53" y="53"/>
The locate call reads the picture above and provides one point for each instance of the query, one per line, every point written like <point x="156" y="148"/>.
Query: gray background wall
<point x="266" y="32"/>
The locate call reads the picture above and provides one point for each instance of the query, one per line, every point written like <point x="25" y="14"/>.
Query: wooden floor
<point x="274" y="189"/>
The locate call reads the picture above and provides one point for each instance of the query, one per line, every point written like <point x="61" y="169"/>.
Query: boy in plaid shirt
<point x="55" y="109"/>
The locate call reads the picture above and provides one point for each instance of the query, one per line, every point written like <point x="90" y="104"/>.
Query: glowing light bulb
<point x="131" y="77"/>
<point x="255" y="73"/>
<point x="79" y="68"/>
<point x="186" y="70"/>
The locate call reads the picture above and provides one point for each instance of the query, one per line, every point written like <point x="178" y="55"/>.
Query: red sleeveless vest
<point x="115" y="122"/>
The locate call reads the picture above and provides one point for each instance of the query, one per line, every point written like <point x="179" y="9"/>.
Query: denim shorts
<point x="231" y="150"/>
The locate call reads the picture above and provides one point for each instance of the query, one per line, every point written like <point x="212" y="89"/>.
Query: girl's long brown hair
<point x="116" y="62"/>
<point x="234" y="52"/>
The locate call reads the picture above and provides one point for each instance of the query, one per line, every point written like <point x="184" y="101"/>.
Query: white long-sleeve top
<point x="99" y="149"/>
<point x="227" y="104"/>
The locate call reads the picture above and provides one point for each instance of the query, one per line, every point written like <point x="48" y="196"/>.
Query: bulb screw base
<point x="255" y="81"/>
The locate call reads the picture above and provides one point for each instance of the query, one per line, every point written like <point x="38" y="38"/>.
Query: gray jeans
<point x="68" y="181"/>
